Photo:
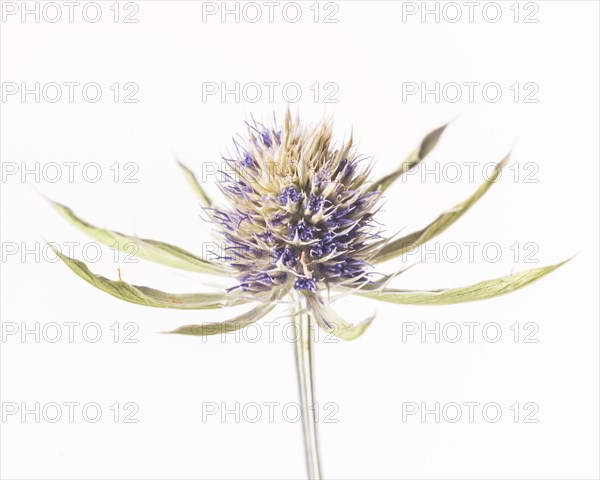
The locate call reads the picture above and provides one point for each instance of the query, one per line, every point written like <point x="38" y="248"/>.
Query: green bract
<point x="300" y="220"/>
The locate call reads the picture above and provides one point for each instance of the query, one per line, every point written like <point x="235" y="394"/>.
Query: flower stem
<point x="304" y="366"/>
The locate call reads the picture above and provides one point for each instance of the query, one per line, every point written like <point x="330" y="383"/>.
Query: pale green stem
<point x="304" y="365"/>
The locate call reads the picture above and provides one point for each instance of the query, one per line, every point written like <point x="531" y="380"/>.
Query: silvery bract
<point x="298" y="223"/>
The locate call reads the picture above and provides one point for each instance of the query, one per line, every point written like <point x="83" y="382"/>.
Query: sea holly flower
<point x="297" y="225"/>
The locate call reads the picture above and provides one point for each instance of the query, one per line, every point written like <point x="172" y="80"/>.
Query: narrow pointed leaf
<point x="196" y="186"/>
<point x="147" y="249"/>
<point x="333" y="323"/>
<point x="149" y="296"/>
<point x="479" y="291"/>
<point x="416" y="156"/>
<point x="237" y="323"/>
<point x="409" y="242"/>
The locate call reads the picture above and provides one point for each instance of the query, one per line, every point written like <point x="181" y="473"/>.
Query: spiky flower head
<point x="299" y="211"/>
<point x="299" y="220"/>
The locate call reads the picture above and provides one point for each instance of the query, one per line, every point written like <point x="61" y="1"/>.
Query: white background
<point x="368" y="53"/>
